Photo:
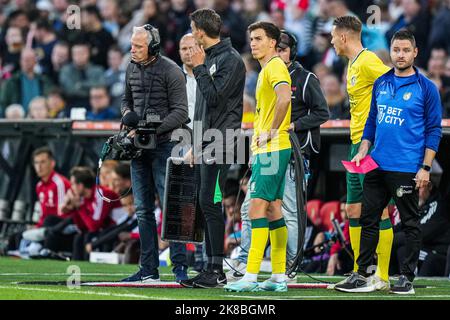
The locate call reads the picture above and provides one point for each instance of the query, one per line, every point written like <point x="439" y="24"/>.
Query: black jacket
<point x="164" y="86"/>
<point x="309" y="107"/>
<point x="220" y="89"/>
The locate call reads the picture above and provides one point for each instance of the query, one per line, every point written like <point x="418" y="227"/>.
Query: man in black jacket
<point x="154" y="84"/>
<point x="220" y="75"/>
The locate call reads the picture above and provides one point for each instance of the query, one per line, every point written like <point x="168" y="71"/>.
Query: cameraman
<point x="154" y="85"/>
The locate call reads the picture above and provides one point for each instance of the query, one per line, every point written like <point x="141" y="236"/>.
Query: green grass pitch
<point x="14" y="271"/>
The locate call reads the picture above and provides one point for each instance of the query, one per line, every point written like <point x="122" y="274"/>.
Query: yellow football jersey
<point x="272" y="74"/>
<point x="361" y="74"/>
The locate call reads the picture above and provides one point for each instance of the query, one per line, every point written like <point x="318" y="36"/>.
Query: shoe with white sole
<point x="242" y="286"/>
<point x="270" y="285"/>
<point x="331" y="286"/>
<point x="403" y="286"/>
<point x="142" y="277"/>
<point x="379" y="283"/>
<point x="237" y="272"/>
<point x="356" y="283"/>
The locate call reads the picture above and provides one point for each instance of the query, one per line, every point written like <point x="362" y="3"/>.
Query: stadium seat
<point x="19" y="211"/>
<point x="4" y="210"/>
<point x="313" y="211"/>
<point x="329" y="211"/>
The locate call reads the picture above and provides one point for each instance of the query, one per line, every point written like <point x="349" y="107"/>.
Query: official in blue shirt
<point x="404" y="126"/>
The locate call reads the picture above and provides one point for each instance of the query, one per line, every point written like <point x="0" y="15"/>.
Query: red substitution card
<point x="367" y="164"/>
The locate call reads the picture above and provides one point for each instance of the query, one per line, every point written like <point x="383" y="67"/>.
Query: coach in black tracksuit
<point x="220" y="75"/>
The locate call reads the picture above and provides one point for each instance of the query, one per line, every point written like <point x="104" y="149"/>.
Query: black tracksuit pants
<point x="208" y="175"/>
<point x="378" y="188"/>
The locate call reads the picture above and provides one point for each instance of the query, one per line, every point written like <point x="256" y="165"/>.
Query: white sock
<point x="250" y="277"/>
<point x="278" y="277"/>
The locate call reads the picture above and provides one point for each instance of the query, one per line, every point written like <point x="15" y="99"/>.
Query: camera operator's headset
<point x="155" y="44"/>
<point x="292" y="44"/>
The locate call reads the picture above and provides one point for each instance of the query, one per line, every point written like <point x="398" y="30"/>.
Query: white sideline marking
<point x="82" y="274"/>
<point x="357" y="296"/>
<point x="95" y="293"/>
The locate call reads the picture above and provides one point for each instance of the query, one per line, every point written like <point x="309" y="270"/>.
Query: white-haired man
<point x="154" y="84"/>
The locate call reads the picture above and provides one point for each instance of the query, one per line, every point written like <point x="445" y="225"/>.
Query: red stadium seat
<point x="313" y="211"/>
<point x="329" y="211"/>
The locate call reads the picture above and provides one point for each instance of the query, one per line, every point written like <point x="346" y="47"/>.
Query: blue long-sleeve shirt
<point x="404" y="119"/>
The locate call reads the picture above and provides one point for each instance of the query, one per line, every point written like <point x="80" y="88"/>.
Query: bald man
<point x="187" y="42"/>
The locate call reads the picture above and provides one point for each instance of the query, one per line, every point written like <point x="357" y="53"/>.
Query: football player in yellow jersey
<point x="364" y="67"/>
<point x="271" y="148"/>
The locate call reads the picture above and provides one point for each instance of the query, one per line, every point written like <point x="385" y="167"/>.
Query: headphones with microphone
<point x="155" y="44"/>
<point x="292" y="44"/>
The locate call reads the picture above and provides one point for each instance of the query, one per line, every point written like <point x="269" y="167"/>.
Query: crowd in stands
<point x="44" y="53"/>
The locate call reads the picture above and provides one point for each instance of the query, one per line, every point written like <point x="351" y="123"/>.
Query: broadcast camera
<point x="123" y="147"/>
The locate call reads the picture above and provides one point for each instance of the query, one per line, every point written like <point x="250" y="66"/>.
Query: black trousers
<point x="378" y="188"/>
<point x="208" y="175"/>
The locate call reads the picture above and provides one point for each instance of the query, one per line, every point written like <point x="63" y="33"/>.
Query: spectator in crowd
<point x="233" y="224"/>
<point x="446" y="94"/>
<point x="60" y="57"/>
<point x="336" y="99"/>
<point x="24" y="85"/>
<point x="96" y="35"/>
<point x="77" y="78"/>
<point x="299" y="22"/>
<point x="233" y="25"/>
<point x="371" y="38"/>
<point x="188" y="42"/>
<point x="340" y="261"/>
<point x="177" y="25"/>
<point x="14" y="111"/>
<point x="100" y="106"/>
<point x="45" y="41"/>
<point x="109" y="11"/>
<point x="278" y="18"/>
<point x="50" y="191"/>
<point x="115" y="77"/>
<point x="18" y="18"/>
<point x="417" y="19"/>
<point x="440" y="25"/>
<point x="106" y="173"/>
<point x="436" y="68"/>
<point x="253" y="11"/>
<point x="52" y="186"/>
<point x="130" y="19"/>
<point x="5" y="72"/>
<point x="121" y="178"/>
<point x="248" y="112"/>
<point x="56" y="104"/>
<point x="38" y="109"/>
<point x="156" y="17"/>
<point x="11" y="48"/>
<point x="251" y="74"/>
